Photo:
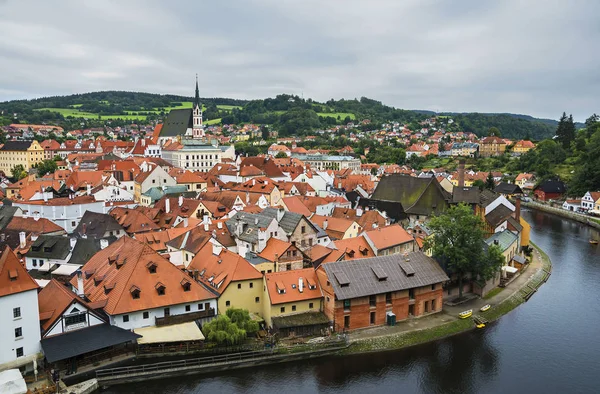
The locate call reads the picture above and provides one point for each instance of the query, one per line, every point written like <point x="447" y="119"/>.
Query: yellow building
<point x="292" y="293"/>
<point x="492" y="146"/>
<point x="25" y="153"/>
<point x="237" y="282"/>
<point x="521" y="147"/>
<point x="525" y="233"/>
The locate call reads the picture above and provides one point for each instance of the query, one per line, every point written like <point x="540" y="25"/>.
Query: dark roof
<point x="85" y="248"/>
<point x="16" y="145"/>
<point x="75" y="343"/>
<point x="177" y="122"/>
<point x="468" y="195"/>
<point x="360" y="279"/>
<point x="552" y="186"/>
<point x="487" y="197"/>
<point x="9" y="238"/>
<point x="250" y="225"/>
<point x="498" y="215"/>
<point x="6" y="215"/>
<point x="54" y="247"/>
<point x="96" y="225"/>
<point x="515" y="223"/>
<point x="288" y="222"/>
<point x="508" y="188"/>
<point x="419" y="196"/>
<point x="300" y="320"/>
<point x="393" y="210"/>
<point x="519" y="259"/>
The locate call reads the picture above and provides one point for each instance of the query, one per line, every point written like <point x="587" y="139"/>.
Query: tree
<point x="241" y="317"/>
<point x="565" y="132"/>
<point x="264" y="132"/>
<point x="489" y="182"/>
<point x="223" y="331"/>
<point x="458" y="240"/>
<point x="479" y="183"/>
<point x="494" y="132"/>
<point x="281" y="155"/>
<point x="18" y="172"/>
<point x="46" y="167"/>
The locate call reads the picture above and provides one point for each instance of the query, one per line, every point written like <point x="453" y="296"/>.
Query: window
<point x="372" y="319"/>
<point x="426" y="306"/>
<point x="388" y="298"/>
<point x="293" y="308"/>
<point x="239" y="285"/>
<point x="310" y="305"/>
<point x="200" y="307"/>
<point x="288" y="267"/>
<point x="167" y="312"/>
<point x="282" y="309"/>
<point x="34" y="262"/>
<point x="328" y="299"/>
<point x="303" y="243"/>
<point x="433" y="287"/>
<point x="432" y="305"/>
<point x="372" y="300"/>
<point x="135" y="294"/>
<point x="73" y="224"/>
<point x="75" y="319"/>
<point x="145" y="315"/>
<point x="125" y="318"/>
<point x="411" y="294"/>
<point x="227" y="303"/>
<point x="346" y="305"/>
<point x="346" y="321"/>
<point x="18" y="332"/>
<point x="310" y="242"/>
<point x="188" y="308"/>
<point x="303" y="229"/>
<point x="19" y="352"/>
<point x="257" y="299"/>
<point x="251" y="285"/>
<point x="16" y="313"/>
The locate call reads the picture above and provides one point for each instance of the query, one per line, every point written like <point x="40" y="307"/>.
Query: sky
<point x="535" y="57"/>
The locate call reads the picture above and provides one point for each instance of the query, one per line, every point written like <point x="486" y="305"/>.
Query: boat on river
<point x="594" y="241"/>
<point x="485" y="308"/>
<point x="465" y="314"/>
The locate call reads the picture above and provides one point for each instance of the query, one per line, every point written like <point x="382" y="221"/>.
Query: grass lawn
<point x="342" y="115"/>
<point x="228" y="107"/>
<point x="66" y="112"/>
<point x="493" y="292"/>
<point x="437" y="162"/>
<point x="212" y="121"/>
<point x="564" y="171"/>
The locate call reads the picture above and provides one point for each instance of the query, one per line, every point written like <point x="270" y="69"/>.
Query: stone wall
<point x="563" y="213"/>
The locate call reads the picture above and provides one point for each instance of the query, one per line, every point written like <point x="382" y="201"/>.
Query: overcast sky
<point x="537" y="57"/>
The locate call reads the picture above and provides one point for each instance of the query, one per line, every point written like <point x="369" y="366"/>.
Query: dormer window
<point x="151" y="267"/>
<point x="186" y="285"/>
<point x="280" y="288"/>
<point x="108" y="288"/>
<point x="135" y="292"/>
<point x="160" y="289"/>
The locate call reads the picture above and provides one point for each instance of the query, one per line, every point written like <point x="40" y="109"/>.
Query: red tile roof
<point x="284" y="287"/>
<point x="387" y="237"/>
<point x="13" y="276"/>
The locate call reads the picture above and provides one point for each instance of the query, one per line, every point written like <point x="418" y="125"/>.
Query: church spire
<point x="197" y="98"/>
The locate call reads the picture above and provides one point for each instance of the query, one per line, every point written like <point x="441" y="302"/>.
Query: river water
<point x="551" y="344"/>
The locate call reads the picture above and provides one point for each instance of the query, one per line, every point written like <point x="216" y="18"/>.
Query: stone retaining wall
<point x="563" y="213"/>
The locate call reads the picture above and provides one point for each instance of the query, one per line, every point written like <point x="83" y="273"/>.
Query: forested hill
<point x="289" y="114"/>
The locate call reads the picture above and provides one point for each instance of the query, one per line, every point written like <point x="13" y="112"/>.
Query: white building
<point x="191" y="154"/>
<point x="20" y="324"/>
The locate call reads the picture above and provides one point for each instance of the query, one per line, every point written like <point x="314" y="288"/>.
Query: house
<point x="98" y="225"/>
<point x="140" y="288"/>
<point x="275" y="149"/>
<point x="25" y="153"/>
<point x="551" y="189"/>
<point x="508" y="189"/>
<point x="525" y="181"/>
<point x="521" y="147"/>
<point x="67" y="324"/>
<point x="20" y="332"/>
<point x="492" y="146"/>
<point x="589" y="200"/>
<point x="343" y="250"/>
<point x="293" y="303"/>
<point x="228" y="275"/>
<point x="420" y="197"/>
<point x="389" y="240"/>
<point x="365" y="219"/>
<point x="133" y="221"/>
<point x="36" y="225"/>
<point x="368" y="292"/>
<point x="572" y="205"/>
<point x="297" y="228"/>
<point x="280" y="256"/>
<point x="508" y="243"/>
<point x="337" y="228"/>
<point x="154" y="177"/>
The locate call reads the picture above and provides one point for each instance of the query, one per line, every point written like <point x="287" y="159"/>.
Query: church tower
<point x="197" y="129"/>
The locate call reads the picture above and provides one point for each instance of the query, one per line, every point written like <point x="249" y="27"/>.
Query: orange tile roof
<point x="157" y="240"/>
<point x="113" y="272"/>
<point x="53" y="300"/>
<point x="336" y="227"/>
<point x="275" y="249"/>
<point x="295" y="204"/>
<point x="39" y="226"/>
<point x="386" y="237"/>
<point x="317" y="252"/>
<point x="132" y="220"/>
<point x="80" y="179"/>
<point x="366" y="220"/>
<point x="217" y="271"/>
<point x="14" y="278"/>
<point x="288" y="281"/>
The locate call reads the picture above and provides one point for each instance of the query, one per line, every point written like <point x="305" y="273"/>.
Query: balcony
<point x="184" y="318"/>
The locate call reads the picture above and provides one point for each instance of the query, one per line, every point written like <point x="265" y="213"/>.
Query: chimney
<point x="247" y="198"/>
<point x="167" y="205"/>
<point x="103" y="243"/>
<point x="89" y="189"/>
<point x="45" y="196"/>
<point x="79" y="283"/>
<point x="216" y="248"/>
<point x="253" y="182"/>
<point x="325" y="224"/>
<point x="36" y="216"/>
<point x="185" y="222"/>
<point x="461" y="173"/>
<point x="72" y="243"/>
<point x="206" y="226"/>
<point x="496" y="242"/>
<point x="22" y="239"/>
<point x="300" y="285"/>
<point x="280" y="213"/>
<point x="180" y="200"/>
<point x="359" y="211"/>
<point x="266" y="183"/>
<point x="205" y="219"/>
<point x="219" y="225"/>
<point x="518" y="209"/>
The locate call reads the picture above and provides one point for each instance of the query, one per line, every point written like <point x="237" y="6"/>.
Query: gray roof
<point x="288" y="222"/>
<point x="255" y="259"/>
<point x="6" y="214"/>
<point x="16" y="145"/>
<point x="250" y="224"/>
<point x="498" y="215"/>
<point x="85" y="248"/>
<point x="177" y="122"/>
<point x="377" y="275"/>
<point x="468" y="195"/>
<point x="519" y="259"/>
<point x="96" y="225"/>
<point x="508" y="188"/>
<point x="504" y="239"/>
<point x="54" y="247"/>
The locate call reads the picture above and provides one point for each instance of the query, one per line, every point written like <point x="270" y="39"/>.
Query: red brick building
<point x="362" y="293"/>
<point x="550" y="190"/>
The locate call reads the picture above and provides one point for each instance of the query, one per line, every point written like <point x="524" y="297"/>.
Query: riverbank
<point x="578" y="217"/>
<point x="446" y="323"/>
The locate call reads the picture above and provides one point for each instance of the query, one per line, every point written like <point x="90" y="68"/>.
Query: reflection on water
<point x="549" y="344"/>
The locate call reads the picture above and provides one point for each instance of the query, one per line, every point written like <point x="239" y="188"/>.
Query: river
<point x="549" y="344"/>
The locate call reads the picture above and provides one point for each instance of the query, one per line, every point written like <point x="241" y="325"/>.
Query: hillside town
<point x="139" y="237"/>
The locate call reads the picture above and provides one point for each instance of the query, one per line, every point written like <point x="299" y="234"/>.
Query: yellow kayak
<point x="480" y="325"/>
<point x="485" y="307"/>
<point x="465" y="314"/>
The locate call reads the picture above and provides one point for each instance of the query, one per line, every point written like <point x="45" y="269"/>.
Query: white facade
<point x="19" y="311"/>
<point x="587" y="201"/>
<point x="194" y="157"/>
<point x="114" y="193"/>
<point x="66" y="216"/>
<point x="139" y="319"/>
<point x="75" y="317"/>
<point x="157" y="178"/>
<point x="316" y="181"/>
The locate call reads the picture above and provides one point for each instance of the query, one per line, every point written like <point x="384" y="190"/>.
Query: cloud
<point x="536" y="57"/>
